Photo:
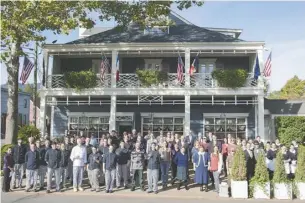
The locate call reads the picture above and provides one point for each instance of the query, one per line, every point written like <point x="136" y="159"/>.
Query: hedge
<point x="289" y="128"/>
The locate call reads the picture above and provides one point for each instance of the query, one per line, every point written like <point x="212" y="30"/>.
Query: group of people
<point x="120" y="161"/>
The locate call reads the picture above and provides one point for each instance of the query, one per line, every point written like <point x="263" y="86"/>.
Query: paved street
<point x="171" y="196"/>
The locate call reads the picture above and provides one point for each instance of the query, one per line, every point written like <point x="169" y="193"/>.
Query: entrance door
<point x="125" y="128"/>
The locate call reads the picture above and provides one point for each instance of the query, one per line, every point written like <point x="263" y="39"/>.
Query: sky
<point x="280" y="24"/>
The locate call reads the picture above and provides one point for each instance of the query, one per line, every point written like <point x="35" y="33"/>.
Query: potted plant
<point x="239" y="184"/>
<point x="260" y="184"/>
<point x="300" y="173"/>
<point x="80" y="79"/>
<point x="282" y="185"/>
<point x="151" y="77"/>
<point x="230" y="78"/>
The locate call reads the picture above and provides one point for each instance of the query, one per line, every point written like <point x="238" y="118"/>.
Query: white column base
<point x="187" y="115"/>
<point x="112" y="119"/>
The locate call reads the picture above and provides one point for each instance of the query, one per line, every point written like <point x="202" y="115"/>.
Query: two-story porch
<point x="125" y="104"/>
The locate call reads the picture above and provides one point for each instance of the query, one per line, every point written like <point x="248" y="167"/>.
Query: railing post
<point x="114" y="55"/>
<point x="187" y="67"/>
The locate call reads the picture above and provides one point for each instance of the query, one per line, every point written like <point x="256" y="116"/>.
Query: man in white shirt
<point x="79" y="158"/>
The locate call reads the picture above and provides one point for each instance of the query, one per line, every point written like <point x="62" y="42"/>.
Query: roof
<point x="95" y="30"/>
<point x="283" y="106"/>
<point x="177" y="33"/>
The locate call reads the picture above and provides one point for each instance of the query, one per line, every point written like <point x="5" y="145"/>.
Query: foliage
<point x="4" y="150"/>
<point x="289" y="128"/>
<point x="29" y="88"/>
<point x="80" y="80"/>
<point x="293" y="89"/>
<point x="151" y="77"/>
<point x="261" y="176"/>
<point x="230" y="78"/>
<point x="300" y="170"/>
<point x="239" y="170"/>
<point x="280" y="175"/>
<point x="24" y="21"/>
<point x="27" y="131"/>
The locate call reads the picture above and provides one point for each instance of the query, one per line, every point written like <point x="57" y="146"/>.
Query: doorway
<point x="125" y="128"/>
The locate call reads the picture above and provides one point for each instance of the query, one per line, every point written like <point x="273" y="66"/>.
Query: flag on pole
<point x="194" y="66"/>
<point x="104" y="68"/>
<point x="26" y="70"/>
<point x="267" y="69"/>
<point x="180" y="69"/>
<point x="117" y="65"/>
<point x="257" y="71"/>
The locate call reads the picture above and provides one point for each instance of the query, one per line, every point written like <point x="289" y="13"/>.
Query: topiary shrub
<point x="280" y="175"/>
<point x="239" y="169"/>
<point x="230" y="78"/>
<point x="27" y="131"/>
<point x="81" y="79"/>
<point x="289" y="128"/>
<point x="300" y="170"/>
<point x="261" y="176"/>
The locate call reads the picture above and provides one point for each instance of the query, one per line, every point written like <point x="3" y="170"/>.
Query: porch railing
<point x="131" y="80"/>
<point x="205" y="80"/>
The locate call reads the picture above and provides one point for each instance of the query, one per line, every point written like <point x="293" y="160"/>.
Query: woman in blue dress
<point x="201" y="160"/>
<point x="181" y="159"/>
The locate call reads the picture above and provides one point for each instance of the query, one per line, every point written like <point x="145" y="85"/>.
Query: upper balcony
<point x="131" y="80"/>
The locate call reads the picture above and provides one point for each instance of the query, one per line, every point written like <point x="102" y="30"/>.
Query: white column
<point x="46" y="63"/>
<point x="187" y="115"/>
<point x="112" y="119"/>
<point x="261" y="116"/>
<point x="187" y="67"/>
<point x="42" y="117"/>
<point x="52" y="118"/>
<point x="113" y="68"/>
<point x="256" y="118"/>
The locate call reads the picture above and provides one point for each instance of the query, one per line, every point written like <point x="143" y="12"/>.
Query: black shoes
<point x="132" y="188"/>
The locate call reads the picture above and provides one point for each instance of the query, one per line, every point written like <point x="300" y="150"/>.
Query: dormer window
<point x="156" y="30"/>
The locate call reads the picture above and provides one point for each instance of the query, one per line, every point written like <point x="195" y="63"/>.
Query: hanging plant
<point x="230" y="78"/>
<point x="149" y="78"/>
<point x="80" y="80"/>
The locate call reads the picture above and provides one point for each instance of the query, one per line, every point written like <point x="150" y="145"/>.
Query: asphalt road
<point x="121" y="197"/>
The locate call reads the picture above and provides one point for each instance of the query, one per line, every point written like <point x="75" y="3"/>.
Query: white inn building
<point x="198" y="103"/>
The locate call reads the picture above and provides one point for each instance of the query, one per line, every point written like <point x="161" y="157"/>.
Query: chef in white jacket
<point x="79" y="158"/>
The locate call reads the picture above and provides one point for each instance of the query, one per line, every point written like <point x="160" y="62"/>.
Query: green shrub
<point x="261" y="176"/>
<point x="280" y="175"/>
<point x="3" y="151"/>
<point x="289" y="128"/>
<point x="149" y="77"/>
<point x="27" y="131"/>
<point x="239" y="169"/>
<point x="81" y="80"/>
<point x="300" y="170"/>
<point x="230" y="78"/>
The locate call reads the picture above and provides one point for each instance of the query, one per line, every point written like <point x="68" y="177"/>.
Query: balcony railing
<point x="205" y="80"/>
<point x="131" y="80"/>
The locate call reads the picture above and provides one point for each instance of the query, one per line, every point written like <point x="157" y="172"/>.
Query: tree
<point x="29" y="88"/>
<point x="293" y="89"/>
<point x="24" y="21"/>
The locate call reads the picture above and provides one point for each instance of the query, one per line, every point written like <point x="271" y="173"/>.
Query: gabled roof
<point x="177" y="33"/>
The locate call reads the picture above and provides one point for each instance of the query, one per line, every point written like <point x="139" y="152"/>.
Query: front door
<point x="125" y="128"/>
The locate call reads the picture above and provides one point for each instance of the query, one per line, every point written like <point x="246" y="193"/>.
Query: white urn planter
<point x="301" y="190"/>
<point x="282" y="190"/>
<point x="239" y="189"/>
<point x="260" y="192"/>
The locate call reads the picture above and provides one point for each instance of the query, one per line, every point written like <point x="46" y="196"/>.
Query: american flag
<point x="180" y="69"/>
<point x="26" y="70"/>
<point x="267" y="69"/>
<point x="104" y="68"/>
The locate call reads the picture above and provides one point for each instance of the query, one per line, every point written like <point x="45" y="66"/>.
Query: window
<point x="221" y="127"/>
<point x="24" y="120"/>
<point x="166" y="124"/>
<point x="207" y="66"/>
<point x="153" y="64"/>
<point x="89" y="125"/>
<point x="3" y="125"/>
<point x="20" y="119"/>
<point x="25" y="103"/>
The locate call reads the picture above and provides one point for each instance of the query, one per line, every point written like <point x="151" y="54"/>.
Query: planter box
<point x="301" y="190"/>
<point x="282" y="191"/>
<point x="239" y="189"/>
<point x="261" y="193"/>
